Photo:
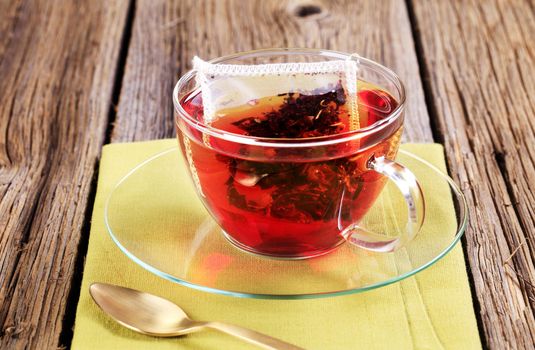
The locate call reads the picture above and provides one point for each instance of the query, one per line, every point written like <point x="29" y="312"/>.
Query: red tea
<point x="291" y="202"/>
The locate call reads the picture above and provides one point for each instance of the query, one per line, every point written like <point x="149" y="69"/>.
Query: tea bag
<point x="229" y="87"/>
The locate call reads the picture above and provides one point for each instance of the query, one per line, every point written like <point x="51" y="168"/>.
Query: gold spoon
<point x="149" y="314"/>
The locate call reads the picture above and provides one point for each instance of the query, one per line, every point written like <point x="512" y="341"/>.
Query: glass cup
<point x="298" y="198"/>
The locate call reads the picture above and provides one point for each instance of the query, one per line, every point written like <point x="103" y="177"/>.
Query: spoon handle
<point x="253" y="337"/>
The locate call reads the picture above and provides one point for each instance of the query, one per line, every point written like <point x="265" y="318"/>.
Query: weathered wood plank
<point x="480" y="56"/>
<point x="167" y="34"/>
<point x="57" y="69"/>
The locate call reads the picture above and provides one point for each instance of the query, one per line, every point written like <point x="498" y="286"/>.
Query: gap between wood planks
<point x="438" y="137"/>
<point x="66" y="334"/>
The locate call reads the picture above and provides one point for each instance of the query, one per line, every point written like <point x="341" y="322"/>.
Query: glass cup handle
<point x="411" y="191"/>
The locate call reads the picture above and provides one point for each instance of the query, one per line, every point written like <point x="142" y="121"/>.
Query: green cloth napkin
<point x="432" y="310"/>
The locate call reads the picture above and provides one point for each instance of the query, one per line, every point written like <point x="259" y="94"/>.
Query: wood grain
<point x="480" y="56"/>
<point x="58" y="66"/>
<point x="167" y="34"/>
<point x="57" y="69"/>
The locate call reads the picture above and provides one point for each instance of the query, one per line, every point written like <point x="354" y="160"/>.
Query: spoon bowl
<point x="141" y="312"/>
<point x="152" y="315"/>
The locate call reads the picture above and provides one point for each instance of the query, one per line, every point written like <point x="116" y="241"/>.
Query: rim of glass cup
<point x="294" y="142"/>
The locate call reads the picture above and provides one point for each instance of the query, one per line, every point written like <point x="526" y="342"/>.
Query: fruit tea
<point x="286" y="202"/>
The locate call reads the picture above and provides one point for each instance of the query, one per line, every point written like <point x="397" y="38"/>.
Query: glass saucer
<point x="155" y="218"/>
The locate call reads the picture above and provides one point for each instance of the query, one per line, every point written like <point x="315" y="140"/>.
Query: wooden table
<point x="77" y="75"/>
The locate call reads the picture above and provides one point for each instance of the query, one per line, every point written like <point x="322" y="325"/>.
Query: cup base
<point x="259" y="253"/>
